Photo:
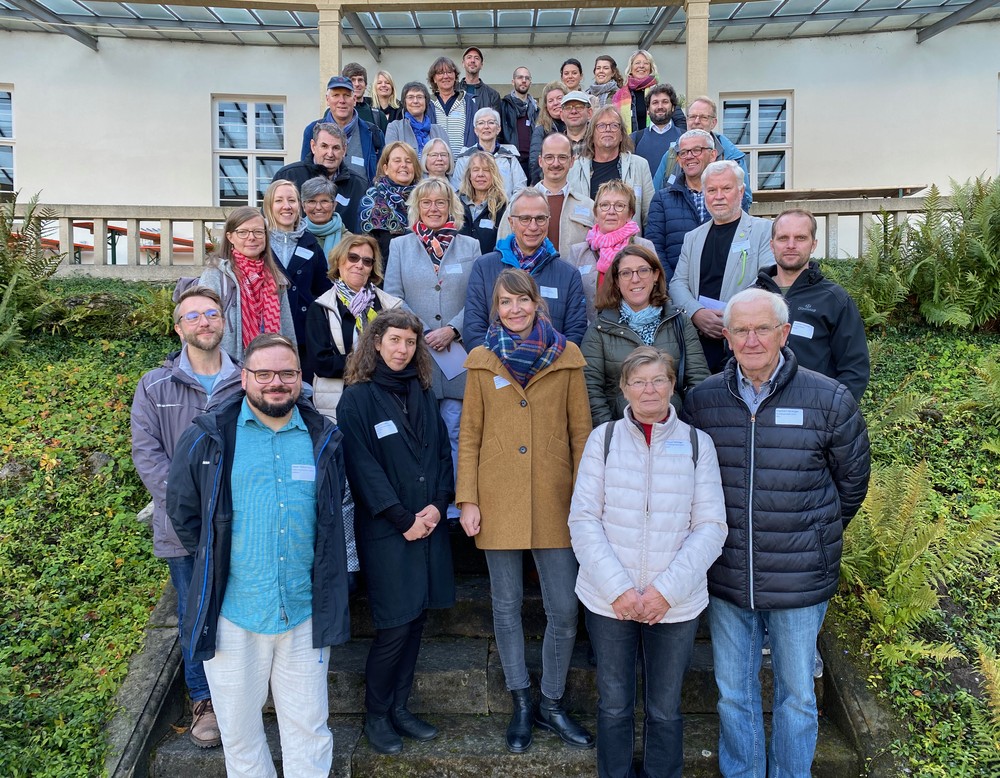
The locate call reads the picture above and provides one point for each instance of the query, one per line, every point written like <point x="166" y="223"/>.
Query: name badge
<point x="344" y="201"/>
<point x="802" y="329"/>
<point x="788" y="417"/>
<point x="385" y="428"/>
<point x="679" y="447"/>
<point x="499" y="382"/>
<point x="303" y="472"/>
<point x="638" y="192"/>
<point x="671" y="179"/>
<point x="359" y="161"/>
<point x="486" y="224"/>
<point x="303" y="252"/>
<point x="581" y="211"/>
<point x="453" y="269"/>
<point x="740" y="245"/>
<point x="586" y="269"/>
<point x="549" y="291"/>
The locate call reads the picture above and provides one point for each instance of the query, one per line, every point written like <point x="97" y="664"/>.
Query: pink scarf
<point x="260" y="307"/>
<point x="608" y="244"/>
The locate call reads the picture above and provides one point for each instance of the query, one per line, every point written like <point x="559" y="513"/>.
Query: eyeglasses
<point x="320" y="203"/>
<point x="192" y="316"/>
<point x="695" y="152"/>
<point x="441" y="205"/>
<point x="704" y="117"/>
<point x="437" y="154"/>
<point x="266" y="376"/>
<point x="659" y="384"/>
<point x="525" y="220"/>
<point x="608" y="207"/>
<point x="761" y="331"/>
<point x="244" y="234"/>
<point x="626" y="274"/>
<point x="574" y="107"/>
<point x="548" y="159"/>
<point x="355" y="258"/>
<point x="605" y="126"/>
<point x="487" y="123"/>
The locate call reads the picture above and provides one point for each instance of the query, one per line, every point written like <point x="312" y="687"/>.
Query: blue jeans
<point x="666" y="653"/>
<point x="181" y="569"/>
<point x="557" y="568"/>
<point x="737" y="636"/>
<point x="451" y="412"/>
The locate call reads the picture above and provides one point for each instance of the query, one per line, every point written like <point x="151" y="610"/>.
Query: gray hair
<point x="647" y="355"/>
<point x="331" y="127"/>
<point x="703" y="134"/>
<point x="755" y="295"/>
<point x="432" y="143"/>
<point x="530" y="192"/>
<point x="317" y="186"/>
<point x="486" y="113"/>
<point x="435" y="186"/>
<point x="722" y="166"/>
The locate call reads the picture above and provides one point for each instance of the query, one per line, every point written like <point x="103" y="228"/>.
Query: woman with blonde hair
<point x="254" y="292"/>
<point x="482" y="193"/>
<point x="385" y="106"/>
<point x="549" y="121"/>
<point x="383" y="208"/>
<point x="630" y="99"/>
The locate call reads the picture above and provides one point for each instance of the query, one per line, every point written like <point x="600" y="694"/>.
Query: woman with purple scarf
<point x="525" y="422"/>
<point x="383" y="208"/>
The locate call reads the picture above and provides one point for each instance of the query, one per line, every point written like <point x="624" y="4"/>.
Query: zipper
<point x="753" y="454"/>
<point x="645" y="518"/>
<point x="209" y="545"/>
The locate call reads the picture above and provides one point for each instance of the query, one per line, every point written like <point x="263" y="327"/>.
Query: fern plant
<point x="876" y="281"/>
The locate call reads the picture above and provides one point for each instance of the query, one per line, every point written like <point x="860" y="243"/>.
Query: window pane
<point x="772" y="121"/>
<point x="266" y="168"/>
<point x="270" y="126"/>
<point x="233" y="122"/>
<point x="233" y="180"/>
<point x="736" y="121"/>
<point x="771" y="170"/>
<point x="6" y="169"/>
<point x="6" y="115"/>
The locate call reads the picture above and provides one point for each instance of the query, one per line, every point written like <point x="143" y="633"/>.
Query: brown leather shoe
<point x="204" y="731"/>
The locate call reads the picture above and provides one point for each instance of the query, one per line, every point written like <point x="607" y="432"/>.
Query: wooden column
<point x="696" y="14"/>
<point x="329" y="42"/>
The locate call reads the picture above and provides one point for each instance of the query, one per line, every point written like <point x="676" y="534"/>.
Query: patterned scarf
<point x="330" y="233"/>
<point x="384" y="206"/>
<point x="523" y="357"/>
<point x="643" y="323"/>
<point x="602" y="92"/>
<point x="358" y="303"/>
<point x="530" y="263"/>
<point x="260" y="307"/>
<point x="608" y="244"/>
<point x="421" y="130"/>
<point x="623" y="97"/>
<point x="436" y="242"/>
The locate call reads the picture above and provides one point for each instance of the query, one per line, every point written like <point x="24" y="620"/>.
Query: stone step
<point x="472" y="747"/>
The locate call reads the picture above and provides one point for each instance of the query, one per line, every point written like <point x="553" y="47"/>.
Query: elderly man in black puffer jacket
<point x="794" y="454"/>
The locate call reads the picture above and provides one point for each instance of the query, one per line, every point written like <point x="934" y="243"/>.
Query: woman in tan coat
<point x="525" y="422"/>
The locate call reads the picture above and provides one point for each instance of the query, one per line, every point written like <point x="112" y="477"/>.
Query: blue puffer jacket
<point x="793" y="475"/>
<point x="672" y="215"/>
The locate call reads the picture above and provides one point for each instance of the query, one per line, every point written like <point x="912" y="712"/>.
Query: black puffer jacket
<point x="793" y="476"/>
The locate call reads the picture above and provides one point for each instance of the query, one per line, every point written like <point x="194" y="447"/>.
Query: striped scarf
<point x="524" y="357"/>
<point x="436" y="242"/>
<point x="260" y="308"/>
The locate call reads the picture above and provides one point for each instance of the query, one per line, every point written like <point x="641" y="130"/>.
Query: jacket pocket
<point x="559" y="449"/>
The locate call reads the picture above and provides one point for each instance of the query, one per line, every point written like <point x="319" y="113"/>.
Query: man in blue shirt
<point x="255" y="493"/>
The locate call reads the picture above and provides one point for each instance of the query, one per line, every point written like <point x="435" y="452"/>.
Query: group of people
<point x="676" y="411"/>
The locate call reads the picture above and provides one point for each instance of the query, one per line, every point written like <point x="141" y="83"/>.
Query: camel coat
<point x="519" y="449"/>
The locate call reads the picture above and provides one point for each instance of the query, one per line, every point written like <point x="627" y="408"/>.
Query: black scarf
<point x="404" y="386"/>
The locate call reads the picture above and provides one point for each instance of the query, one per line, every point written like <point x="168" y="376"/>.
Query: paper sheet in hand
<point x="712" y="303"/>
<point x="451" y="360"/>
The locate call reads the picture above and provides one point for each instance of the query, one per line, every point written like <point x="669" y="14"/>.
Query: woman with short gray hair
<point x="319" y="201"/>
<point x="507" y="157"/>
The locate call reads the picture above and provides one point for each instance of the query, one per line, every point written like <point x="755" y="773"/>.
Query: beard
<point x="206" y="341"/>
<point x="276" y="408"/>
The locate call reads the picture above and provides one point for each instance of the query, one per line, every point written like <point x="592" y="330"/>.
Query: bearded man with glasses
<point x="527" y="248"/>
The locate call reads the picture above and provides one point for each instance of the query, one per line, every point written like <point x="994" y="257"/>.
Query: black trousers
<point x="392" y="661"/>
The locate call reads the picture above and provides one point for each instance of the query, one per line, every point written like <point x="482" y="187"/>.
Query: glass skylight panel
<point x="757" y="10"/>
<point x="276" y="18"/>
<point x="594" y="16"/>
<point x="556" y="17"/>
<point x="515" y="19"/>
<point x="191" y="13"/>
<point x="149" y="11"/>
<point x="475" y="19"/>
<point x="634" y="16"/>
<point x="722" y="10"/>
<point x="799" y="7"/>
<point x="835" y="6"/>
<point x="234" y="15"/>
<point x="393" y="20"/>
<point x="435" y="19"/>
<point x="110" y="9"/>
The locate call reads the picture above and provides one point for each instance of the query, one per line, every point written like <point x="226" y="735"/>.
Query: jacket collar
<point x="785" y="373"/>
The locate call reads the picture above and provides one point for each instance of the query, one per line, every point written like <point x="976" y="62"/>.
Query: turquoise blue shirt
<point x="269" y="590"/>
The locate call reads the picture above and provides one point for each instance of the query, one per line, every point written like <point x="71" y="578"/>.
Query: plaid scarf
<point x="358" y="303"/>
<point x="436" y="242"/>
<point x="529" y="263"/>
<point x="260" y="308"/>
<point x="523" y="357"/>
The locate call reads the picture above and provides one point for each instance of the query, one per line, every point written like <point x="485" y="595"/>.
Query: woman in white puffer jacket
<point x="647" y="521"/>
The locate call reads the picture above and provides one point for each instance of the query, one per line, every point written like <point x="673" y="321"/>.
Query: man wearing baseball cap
<point x="576" y="110"/>
<point x="486" y="96"/>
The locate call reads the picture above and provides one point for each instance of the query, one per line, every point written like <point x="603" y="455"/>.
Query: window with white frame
<point x="760" y="126"/>
<point x="6" y="140"/>
<point x="249" y="148"/>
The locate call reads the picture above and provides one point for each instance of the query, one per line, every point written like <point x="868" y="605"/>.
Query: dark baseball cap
<point x="340" y="82"/>
<point x="476" y="49"/>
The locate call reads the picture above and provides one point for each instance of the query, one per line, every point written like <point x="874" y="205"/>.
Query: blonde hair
<point x="496" y="195"/>
<point x="435" y="186"/>
<point x="269" y="196"/>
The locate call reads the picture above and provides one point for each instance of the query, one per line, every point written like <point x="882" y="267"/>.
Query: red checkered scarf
<point x="260" y="306"/>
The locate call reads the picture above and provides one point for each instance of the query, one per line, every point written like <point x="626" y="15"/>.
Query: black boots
<point x="408" y="725"/>
<point x="519" y="729"/>
<point x="381" y="735"/>
<point x="551" y="716"/>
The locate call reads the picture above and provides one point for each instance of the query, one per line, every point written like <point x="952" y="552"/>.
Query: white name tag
<point x="303" y="472"/>
<point x="790" y="417"/>
<point x="581" y="211"/>
<point x="678" y="447"/>
<point x="453" y="269"/>
<point x="586" y="269"/>
<point x="303" y="252"/>
<point x="549" y="291"/>
<point x="360" y="161"/>
<point x="671" y="179"/>
<point x="486" y="224"/>
<point x="638" y="192"/>
<point x="345" y="201"/>
<point x="802" y="329"/>
<point x="385" y="428"/>
<point x="740" y="245"/>
<point x="499" y="382"/>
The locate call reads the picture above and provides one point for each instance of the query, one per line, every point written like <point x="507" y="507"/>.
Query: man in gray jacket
<point x="188" y="383"/>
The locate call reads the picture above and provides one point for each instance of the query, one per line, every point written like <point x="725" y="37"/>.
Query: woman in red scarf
<point x="252" y="289"/>
<point x="630" y="99"/>
<point x="614" y="210"/>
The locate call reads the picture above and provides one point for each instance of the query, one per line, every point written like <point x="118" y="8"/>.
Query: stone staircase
<point x="460" y="688"/>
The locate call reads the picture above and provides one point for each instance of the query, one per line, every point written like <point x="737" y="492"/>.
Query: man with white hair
<point x="486" y="124"/>
<point x="720" y="257"/>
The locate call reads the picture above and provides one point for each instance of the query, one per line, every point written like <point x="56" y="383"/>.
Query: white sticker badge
<point x="303" y="252"/>
<point x="303" y="472"/>
<point x="585" y="269"/>
<point x="385" y="428"/>
<point x="803" y="330"/>
<point x="549" y="291"/>
<point x="788" y="417"/>
<point x="359" y="161"/>
<point x="344" y="201"/>
<point x="500" y="382"/>
<point x="486" y="224"/>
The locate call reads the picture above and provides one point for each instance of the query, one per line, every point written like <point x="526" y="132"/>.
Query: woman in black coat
<point x="400" y="470"/>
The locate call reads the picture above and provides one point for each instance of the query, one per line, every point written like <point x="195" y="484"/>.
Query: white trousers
<point x="238" y="676"/>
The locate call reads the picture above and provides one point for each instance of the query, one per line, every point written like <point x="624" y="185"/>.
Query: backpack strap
<point x="609" y="432"/>
<point x="694" y="445"/>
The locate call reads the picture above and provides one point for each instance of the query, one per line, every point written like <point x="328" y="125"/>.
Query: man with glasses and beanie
<point x="189" y="382"/>
<point x="795" y="461"/>
<point x="528" y="249"/>
<point x="254" y="493"/>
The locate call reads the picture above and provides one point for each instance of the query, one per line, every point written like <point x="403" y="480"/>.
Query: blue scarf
<point x="330" y="233"/>
<point x="524" y="357"/>
<point x="421" y="130"/>
<point x="352" y="125"/>
<point x="511" y="254"/>
<point x="643" y="323"/>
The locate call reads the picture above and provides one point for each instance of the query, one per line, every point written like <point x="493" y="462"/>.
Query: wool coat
<point x="436" y="295"/>
<point x="520" y="447"/>
<point x="389" y="463"/>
